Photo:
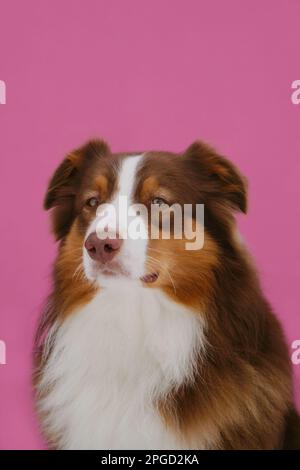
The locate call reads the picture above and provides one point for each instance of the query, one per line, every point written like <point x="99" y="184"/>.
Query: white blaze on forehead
<point x="123" y="197"/>
<point x="127" y="176"/>
<point x="126" y="180"/>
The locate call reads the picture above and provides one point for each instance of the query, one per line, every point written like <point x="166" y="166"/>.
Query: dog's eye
<point x="92" y="202"/>
<point x="159" y="201"/>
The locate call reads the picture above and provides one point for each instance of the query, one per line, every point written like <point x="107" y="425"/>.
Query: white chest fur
<point x="110" y="361"/>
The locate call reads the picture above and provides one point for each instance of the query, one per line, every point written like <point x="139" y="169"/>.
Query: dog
<point x="143" y="343"/>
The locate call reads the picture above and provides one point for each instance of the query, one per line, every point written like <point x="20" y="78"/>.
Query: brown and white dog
<point x="143" y="343"/>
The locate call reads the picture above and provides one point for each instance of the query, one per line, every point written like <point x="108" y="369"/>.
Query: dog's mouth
<point x="149" y="278"/>
<point x="117" y="270"/>
<point x="114" y="270"/>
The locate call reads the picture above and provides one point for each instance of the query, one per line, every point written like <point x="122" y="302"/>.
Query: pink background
<point x="145" y="75"/>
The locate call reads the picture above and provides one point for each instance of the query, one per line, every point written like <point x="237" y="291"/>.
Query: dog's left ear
<point x="65" y="182"/>
<point x="220" y="176"/>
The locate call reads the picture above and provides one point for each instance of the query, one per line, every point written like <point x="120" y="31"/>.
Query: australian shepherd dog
<point x="153" y="342"/>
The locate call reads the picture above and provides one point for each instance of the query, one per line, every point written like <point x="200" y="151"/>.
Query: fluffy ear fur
<point x="65" y="183"/>
<point x="225" y="181"/>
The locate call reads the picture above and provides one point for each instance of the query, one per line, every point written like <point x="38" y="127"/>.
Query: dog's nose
<point x="102" y="250"/>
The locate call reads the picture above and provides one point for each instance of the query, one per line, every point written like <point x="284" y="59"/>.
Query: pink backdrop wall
<point x="144" y="75"/>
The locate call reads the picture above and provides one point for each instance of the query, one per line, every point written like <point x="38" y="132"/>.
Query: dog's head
<point x="156" y="218"/>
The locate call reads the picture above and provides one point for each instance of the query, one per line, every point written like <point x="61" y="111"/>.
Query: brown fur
<point x="241" y="397"/>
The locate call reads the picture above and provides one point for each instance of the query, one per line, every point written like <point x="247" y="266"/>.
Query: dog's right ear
<point x="65" y="183"/>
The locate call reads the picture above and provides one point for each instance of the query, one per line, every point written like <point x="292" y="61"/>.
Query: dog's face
<point x="109" y="212"/>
